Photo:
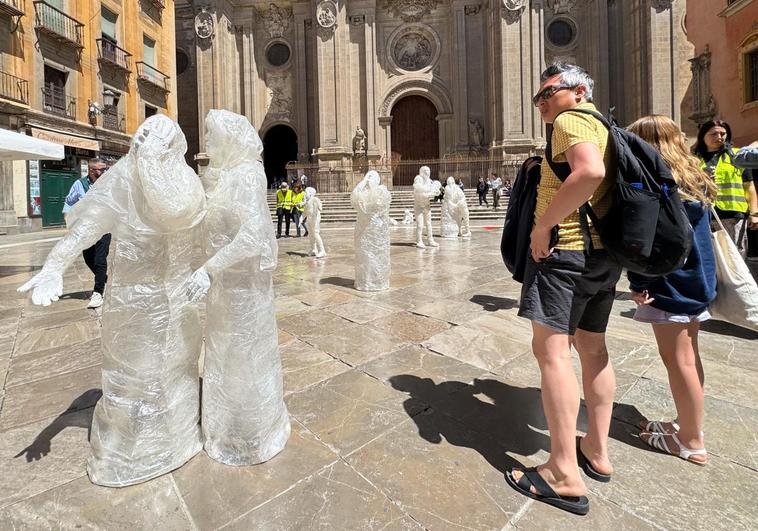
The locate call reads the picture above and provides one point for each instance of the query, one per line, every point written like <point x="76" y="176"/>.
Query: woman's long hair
<point x="664" y="135"/>
<point x="700" y="148"/>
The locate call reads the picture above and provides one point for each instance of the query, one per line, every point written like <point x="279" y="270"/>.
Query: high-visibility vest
<point x="731" y="195"/>
<point x="284" y="199"/>
<point x="298" y="201"/>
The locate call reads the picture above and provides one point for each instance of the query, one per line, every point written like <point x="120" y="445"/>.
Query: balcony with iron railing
<point x="158" y="4"/>
<point x="112" y="119"/>
<point x="12" y="8"/>
<point x="58" y="25"/>
<point x="56" y="101"/>
<point x="14" y="88"/>
<point x="110" y="53"/>
<point x="153" y="76"/>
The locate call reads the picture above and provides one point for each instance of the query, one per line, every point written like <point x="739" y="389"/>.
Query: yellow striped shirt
<point x="569" y="130"/>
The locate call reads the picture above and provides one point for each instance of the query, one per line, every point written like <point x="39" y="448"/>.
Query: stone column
<point x="301" y="13"/>
<point x="371" y="84"/>
<point x="666" y="40"/>
<point x="459" y="76"/>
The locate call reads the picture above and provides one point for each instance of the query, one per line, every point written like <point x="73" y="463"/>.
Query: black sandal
<point x="574" y="504"/>
<point x="587" y="467"/>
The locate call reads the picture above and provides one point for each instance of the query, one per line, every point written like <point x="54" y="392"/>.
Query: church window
<point x="561" y="32"/>
<point x="278" y="54"/>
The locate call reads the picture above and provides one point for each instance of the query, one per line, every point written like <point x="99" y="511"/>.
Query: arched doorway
<point x="415" y="136"/>
<point x="279" y="148"/>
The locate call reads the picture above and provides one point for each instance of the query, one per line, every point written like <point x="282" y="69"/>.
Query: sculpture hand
<point x="46" y="286"/>
<point x="198" y="284"/>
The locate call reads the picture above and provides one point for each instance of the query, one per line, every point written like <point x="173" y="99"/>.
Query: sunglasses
<point x="548" y="92"/>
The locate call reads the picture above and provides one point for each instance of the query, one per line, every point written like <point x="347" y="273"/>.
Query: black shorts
<point x="570" y="290"/>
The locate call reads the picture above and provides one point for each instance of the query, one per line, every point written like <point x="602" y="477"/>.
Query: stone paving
<point x="407" y="407"/>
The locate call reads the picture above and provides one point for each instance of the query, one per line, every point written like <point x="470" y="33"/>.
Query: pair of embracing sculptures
<point x="160" y="213"/>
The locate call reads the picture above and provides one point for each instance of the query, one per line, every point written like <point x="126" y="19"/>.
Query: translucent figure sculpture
<point x="407" y="217"/>
<point x="147" y="421"/>
<point x="424" y="190"/>
<point x="244" y="417"/>
<point x="372" y="234"/>
<point x="455" y="215"/>
<point x="312" y="212"/>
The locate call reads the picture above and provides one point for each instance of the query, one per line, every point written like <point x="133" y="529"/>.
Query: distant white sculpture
<point x="424" y="190"/>
<point x="147" y="422"/>
<point x="407" y="217"/>
<point x="312" y="213"/>
<point x="455" y="215"/>
<point x="372" y="234"/>
<point x="244" y="417"/>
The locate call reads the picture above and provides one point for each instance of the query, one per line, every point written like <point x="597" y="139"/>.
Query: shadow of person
<point x="492" y="304"/>
<point x="78" y="295"/>
<point x="452" y="411"/>
<point x="296" y="253"/>
<point x="727" y="329"/>
<point x="338" y="281"/>
<point x="41" y="445"/>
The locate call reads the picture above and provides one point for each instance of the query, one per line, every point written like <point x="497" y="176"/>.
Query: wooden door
<point x="415" y="136"/>
<point x="54" y="187"/>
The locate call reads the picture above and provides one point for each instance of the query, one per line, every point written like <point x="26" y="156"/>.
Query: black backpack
<point x="646" y="229"/>
<point x="519" y="219"/>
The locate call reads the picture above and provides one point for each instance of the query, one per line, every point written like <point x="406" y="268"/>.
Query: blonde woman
<point x="676" y="304"/>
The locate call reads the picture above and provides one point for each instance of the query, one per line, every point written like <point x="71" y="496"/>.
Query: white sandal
<point x="656" y="426"/>
<point x="658" y="441"/>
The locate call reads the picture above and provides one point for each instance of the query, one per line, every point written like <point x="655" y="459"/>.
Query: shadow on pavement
<point x="80" y="295"/>
<point x="338" y="281"/>
<point x="40" y="447"/>
<point x="491" y="303"/>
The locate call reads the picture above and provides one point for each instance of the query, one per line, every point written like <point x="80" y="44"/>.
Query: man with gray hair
<point x="96" y="257"/>
<point x="568" y="292"/>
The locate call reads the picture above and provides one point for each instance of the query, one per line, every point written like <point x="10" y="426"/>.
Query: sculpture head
<point x="158" y="133"/>
<point x="451" y="181"/>
<point x="425" y="172"/>
<point x="230" y="139"/>
<point x="309" y="193"/>
<point x="373" y="178"/>
<point x="417" y="180"/>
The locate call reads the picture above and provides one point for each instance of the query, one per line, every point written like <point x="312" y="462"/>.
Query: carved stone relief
<point x="472" y="10"/>
<point x="704" y="106"/>
<point x="412" y="51"/>
<point x="563" y="6"/>
<point x="326" y="17"/>
<point x="279" y="96"/>
<point x="275" y="19"/>
<point x="411" y="10"/>
<point x="661" y="5"/>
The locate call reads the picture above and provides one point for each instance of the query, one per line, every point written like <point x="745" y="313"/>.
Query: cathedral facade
<point x="329" y="82"/>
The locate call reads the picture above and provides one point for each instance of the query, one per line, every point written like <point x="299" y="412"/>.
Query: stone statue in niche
<point x="413" y="51"/>
<point x="360" y="146"/>
<point x="475" y="134"/>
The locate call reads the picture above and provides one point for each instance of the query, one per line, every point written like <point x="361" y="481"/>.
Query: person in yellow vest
<point x="283" y="209"/>
<point x="298" y="204"/>
<point x="736" y="200"/>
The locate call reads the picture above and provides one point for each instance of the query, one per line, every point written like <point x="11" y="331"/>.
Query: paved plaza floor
<point x="407" y="407"/>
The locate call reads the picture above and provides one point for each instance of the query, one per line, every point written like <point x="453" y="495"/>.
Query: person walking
<point x="96" y="257"/>
<point x="298" y="204"/>
<point x="283" y="209"/>
<point x="567" y="294"/>
<point x="481" y="190"/>
<point x="675" y="304"/>
<point x="736" y="201"/>
<point x="495" y="184"/>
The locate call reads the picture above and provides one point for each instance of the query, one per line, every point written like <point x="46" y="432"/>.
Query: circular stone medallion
<point x="413" y="51"/>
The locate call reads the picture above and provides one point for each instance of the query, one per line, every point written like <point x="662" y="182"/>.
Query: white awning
<point x="15" y="146"/>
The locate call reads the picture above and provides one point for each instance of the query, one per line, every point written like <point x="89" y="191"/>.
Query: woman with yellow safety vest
<point x="736" y="200"/>
<point x="298" y="204"/>
<point x="283" y="209"/>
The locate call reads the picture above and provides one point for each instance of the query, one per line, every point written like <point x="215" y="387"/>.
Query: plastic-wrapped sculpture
<point x="407" y="217"/>
<point x="244" y="417"/>
<point x="424" y="190"/>
<point x="372" y="234"/>
<point x="455" y="216"/>
<point x="147" y="421"/>
<point x="312" y="212"/>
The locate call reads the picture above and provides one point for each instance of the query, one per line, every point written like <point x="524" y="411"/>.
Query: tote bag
<point x="736" y="293"/>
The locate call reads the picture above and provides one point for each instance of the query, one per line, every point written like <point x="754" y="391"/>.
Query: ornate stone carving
<point x="326" y="17"/>
<point x="704" y="106"/>
<point x="563" y="6"/>
<point x="472" y="10"/>
<point x="278" y="96"/>
<point x="661" y="5"/>
<point x="204" y="25"/>
<point x="413" y="51"/>
<point x="358" y="20"/>
<point x="411" y="10"/>
<point x="276" y="19"/>
<point x="514" y="5"/>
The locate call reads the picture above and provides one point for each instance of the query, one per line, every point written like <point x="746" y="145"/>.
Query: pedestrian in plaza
<point x="507" y="186"/>
<point x="96" y="257"/>
<point x="481" y="190"/>
<point x="298" y="204"/>
<point x="568" y="291"/>
<point x="460" y="184"/>
<point x="495" y="184"/>
<point x="736" y="201"/>
<point x="304" y="181"/>
<point x="283" y="209"/>
<point x="676" y="304"/>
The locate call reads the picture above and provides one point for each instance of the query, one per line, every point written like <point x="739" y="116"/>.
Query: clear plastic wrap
<point x="312" y="212"/>
<point x="147" y="421"/>
<point x="424" y="190"/>
<point x="244" y="417"/>
<point x="372" y="233"/>
<point x="454" y="217"/>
